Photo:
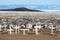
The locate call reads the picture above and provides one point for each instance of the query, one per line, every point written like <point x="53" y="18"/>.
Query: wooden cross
<point x="5" y="27"/>
<point x="0" y="27"/>
<point x="24" y="31"/>
<point x="10" y="30"/>
<point x="37" y="29"/>
<point x="17" y="29"/>
<point x="51" y="29"/>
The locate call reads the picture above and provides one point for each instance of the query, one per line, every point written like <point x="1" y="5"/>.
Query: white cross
<point x="51" y="29"/>
<point x="5" y="27"/>
<point x="24" y="31"/>
<point x="29" y="26"/>
<point x="10" y="30"/>
<point x="0" y="27"/>
<point x="17" y="29"/>
<point x="37" y="29"/>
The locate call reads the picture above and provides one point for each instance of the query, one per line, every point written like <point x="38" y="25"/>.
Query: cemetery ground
<point x="44" y="34"/>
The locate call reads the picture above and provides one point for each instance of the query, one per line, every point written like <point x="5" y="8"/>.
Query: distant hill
<point x="20" y="9"/>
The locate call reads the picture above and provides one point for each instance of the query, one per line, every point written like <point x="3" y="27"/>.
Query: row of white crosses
<point x="37" y="28"/>
<point x="17" y="29"/>
<point x="27" y="29"/>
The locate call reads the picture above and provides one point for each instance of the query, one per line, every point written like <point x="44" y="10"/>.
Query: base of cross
<point x="53" y="34"/>
<point x="58" y="35"/>
<point x="37" y="34"/>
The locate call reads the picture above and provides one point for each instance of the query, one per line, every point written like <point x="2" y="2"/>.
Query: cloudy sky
<point x="33" y="4"/>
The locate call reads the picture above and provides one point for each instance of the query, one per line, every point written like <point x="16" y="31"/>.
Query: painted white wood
<point x="16" y="29"/>
<point x="10" y="30"/>
<point x="24" y="31"/>
<point x="51" y="25"/>
<point x="5" y="27"/>
<point x="51" y="29"/>
<point x="29" y="26"/>
<point x="37" y="28"/>
<point x="1" y="27"/>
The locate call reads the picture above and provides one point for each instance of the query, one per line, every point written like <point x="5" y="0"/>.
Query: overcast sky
<point x="30" y="3"/>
